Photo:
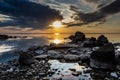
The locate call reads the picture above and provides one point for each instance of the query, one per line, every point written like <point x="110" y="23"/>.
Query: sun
<point x="57" y="24"/>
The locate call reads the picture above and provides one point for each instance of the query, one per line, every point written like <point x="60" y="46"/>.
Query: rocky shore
<point x="99" y="57"/>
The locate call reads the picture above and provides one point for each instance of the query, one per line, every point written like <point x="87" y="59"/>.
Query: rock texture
<point x="103" y="58"/>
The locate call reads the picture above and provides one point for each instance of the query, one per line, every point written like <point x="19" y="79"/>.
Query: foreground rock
<point x="26" y="58"/>
<point x="103" y="58"/>
<point x="36" y="71"/>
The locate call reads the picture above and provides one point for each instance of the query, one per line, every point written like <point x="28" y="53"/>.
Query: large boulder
<point x="103" y="58"/>
<point x="79" y="36"/>
<point x="26" y="58"/>
<point x="101" y="40"/>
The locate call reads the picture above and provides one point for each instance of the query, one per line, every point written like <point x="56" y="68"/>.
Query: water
<point x="63" y="70"/>
<point x="8" y="47"/>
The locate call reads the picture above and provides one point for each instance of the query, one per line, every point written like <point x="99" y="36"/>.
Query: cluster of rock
<point x="80" y="37"/>
<point x="104" y="57"/>
<point x="12" y="70"/>
<point x="5" y="37"/>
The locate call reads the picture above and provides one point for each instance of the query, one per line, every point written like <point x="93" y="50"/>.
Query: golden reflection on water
<point x="57" y="39"/>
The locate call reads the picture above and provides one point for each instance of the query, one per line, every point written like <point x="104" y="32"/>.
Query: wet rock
<point x="79" y="36"/>
<point x="103" y="58"/>
<point x="26" y="58"/>
<point x="45" y="78"/>
<point x="72" y="69"/>
<point x="39" y="51"/>
<point x="70" y="57"/>
<point x="54" y="54"/>
<point x="114" y="74"/>
<point x="40" y="57"/>
<point x="85" y="58"/>
<point x="75" y="73"/>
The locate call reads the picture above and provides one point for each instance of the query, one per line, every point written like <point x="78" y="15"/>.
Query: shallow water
<point x="64" y="72"/>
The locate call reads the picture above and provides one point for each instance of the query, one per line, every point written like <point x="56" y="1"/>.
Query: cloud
<point x="24" y="13"/>
<point x="97" y="16"/>
<point x="98" y="3"/>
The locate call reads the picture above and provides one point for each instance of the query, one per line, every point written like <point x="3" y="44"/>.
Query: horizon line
<point x="60" y="33"/>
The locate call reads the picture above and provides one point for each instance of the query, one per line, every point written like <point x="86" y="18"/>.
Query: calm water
<point x="8" y="47"/>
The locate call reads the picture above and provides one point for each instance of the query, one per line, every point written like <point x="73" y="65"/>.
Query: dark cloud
<point x="97" y="16"/>
<point x="24" y="13"/>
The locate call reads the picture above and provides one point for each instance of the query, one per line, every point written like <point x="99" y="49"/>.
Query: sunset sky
<point x="37" y="16"/>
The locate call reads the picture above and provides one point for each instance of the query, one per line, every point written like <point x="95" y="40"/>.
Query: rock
<point x="75" y="73"/>
<point x="103" y="58"/>
<point x="70" y="57"/>
<point x="101" y="40"/>
<point x="114" y="74"/>
<point x="85" y="58"/>
<point x="72" y="69"/>
<point x="3" y="37"/>
<point x="41" y="57"/>
<point x="26" y="58"/>
<point x="91" y="42"/>
<point x="45" y="78"/>
<point x="39" y="51"/>
<point x="79" y="36"/>
<point x="55" y="56"/>
<point x="10" y="70"/>
<point x="72" y="38"/>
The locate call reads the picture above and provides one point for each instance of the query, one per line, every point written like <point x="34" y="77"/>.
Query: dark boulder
<point x="79" y="36"/>
<point x="91" y="42"/>
<point x="3" y="37"/>
<point x="103" y="58"/>
<point x="26" y="58"/>
<point x="101" y="40"/>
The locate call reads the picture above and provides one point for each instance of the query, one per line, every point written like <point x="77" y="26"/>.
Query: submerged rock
<point x="103" y="58"/>
<point x="40" y="57"/>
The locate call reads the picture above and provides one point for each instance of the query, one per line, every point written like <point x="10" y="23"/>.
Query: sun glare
<point x="57" y="41"/>
<point x="57" y="34"/>
<point x="57" y="24"/>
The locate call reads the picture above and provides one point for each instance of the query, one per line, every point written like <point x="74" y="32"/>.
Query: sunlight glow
<point x="57" y="24"/>
<point x="57" y="34"/>
<point x="57" y="41"/>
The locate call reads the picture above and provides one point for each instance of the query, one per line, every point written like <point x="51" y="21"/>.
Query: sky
<point x="36" y="16"/>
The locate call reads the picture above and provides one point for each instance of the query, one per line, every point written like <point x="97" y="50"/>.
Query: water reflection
<point x="6" y="48"/>
<point x="64" y="70"/>
<point x="57" y="39"/>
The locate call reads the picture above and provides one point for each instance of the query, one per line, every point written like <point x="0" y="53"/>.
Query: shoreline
<point x="43" y="62"/>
